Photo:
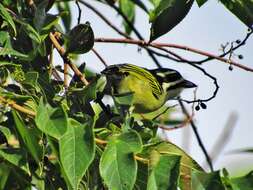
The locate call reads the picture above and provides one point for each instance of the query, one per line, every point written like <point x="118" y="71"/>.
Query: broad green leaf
<point x="242" y="9"/>
<point x="201" y="2"/>
<point x="242" y="183"/>
<point x="206" y="181"/>
<point x="165" y="173"/>
<point x="16" y="157"/>
<point x="128" y="8"/>
<point x="7" y="17"/>
<point x="31" y="79"/>
<point x="51" y="121"/>
<point x="117" y="166"/>
<point x="27" y="137"/>
<point x="80" y="39"/>
<point x="77" y="150"/>
<point x="30" y="31"/>
<point x="187" y="164"/>
<point x="166" y="15"/>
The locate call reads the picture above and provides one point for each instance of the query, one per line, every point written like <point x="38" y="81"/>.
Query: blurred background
<point x="204" y="28"/>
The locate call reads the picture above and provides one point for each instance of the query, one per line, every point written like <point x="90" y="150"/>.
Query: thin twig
<point x="97" y="12"/>
<point x="15" y="106"/>
<point x="62" y="52"/>
<point x="158" y="45"/>
<point x="137" y="33"/>
<point x="223" y="138"/>
<point x="65" y="82"/>
<point x="99" y="57"/>
<point x="79" y="12"/>
<point x="195" y="130"/>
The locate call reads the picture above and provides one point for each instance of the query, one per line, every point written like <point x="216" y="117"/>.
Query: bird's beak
<point x="188" y="84"/>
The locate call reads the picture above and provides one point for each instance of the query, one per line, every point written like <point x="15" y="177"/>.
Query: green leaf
<point x="80" y="39"/>
<point x="5" y="39"/>
<point x="128" y="8"/>
<point x="187" y="164"/>
<point x="12" y="52"/>
<point x="118" y="167"/>
<point x="16" y="157"/>
<point x="7" y="17"/>
<point x="166" y="15"/>
<point x="77" y="150"/>
<point x="201" y="2"/>
<point x="242" y="183"/>
<point x="66" y="18"/>
<point x="242" y="9"/>
<point x="6" y="131"/>
<point x="206" y="181"/>
<point x="27" y="137"/>
<point x="165" y="173"/>
<point x="51" y="121"/>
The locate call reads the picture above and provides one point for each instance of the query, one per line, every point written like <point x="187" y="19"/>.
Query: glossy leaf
<point x="165" y="173"/>
<point x="27" y="137"/>
<point x="7" y="17"/>
<point x="51" y="121"/>
<point x="118" y="167"/>
<point x="166" y="15"/>
<point x="77" y="150"/>
<point x="206" y="181"/>
<point x="128" y="8"/>
<point x="80" y="39"/>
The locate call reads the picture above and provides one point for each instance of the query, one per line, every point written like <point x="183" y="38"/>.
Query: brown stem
<point x="162" y="45"/>
<point x="62" y="52"/>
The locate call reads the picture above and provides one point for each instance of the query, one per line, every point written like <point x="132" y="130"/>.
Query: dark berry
<point x="238" y="41"/>
<point x="240" y="56"/>
<point x="230" y="67"/>
<point x="197" y="108"/>
<point x="203" y="105"/>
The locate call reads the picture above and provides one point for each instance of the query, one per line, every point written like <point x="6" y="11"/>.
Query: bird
<point x="151" y="88"/>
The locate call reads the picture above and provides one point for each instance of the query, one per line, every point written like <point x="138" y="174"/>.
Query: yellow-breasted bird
<point x="151" y="88"/>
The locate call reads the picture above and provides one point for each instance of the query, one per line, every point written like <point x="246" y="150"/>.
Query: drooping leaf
<point x="80" y="39"/>
<point x="7" y="17"/>
<point x="117" y="166"/>
<point x="166" y="15"/>
<point x="206" y="181"/>
<point x="165" y="173"/>
<point x="27" y="137"/>
<point x="51" y="121"/>
<point x="128" y="9"/>
<point x="77" y="150"/>
<point x="242" y="9"/>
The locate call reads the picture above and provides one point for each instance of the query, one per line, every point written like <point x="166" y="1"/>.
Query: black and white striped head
<point x="171" y="81"/>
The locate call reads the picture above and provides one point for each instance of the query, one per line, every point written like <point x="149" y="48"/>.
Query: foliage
<point x="55" y="138"/>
